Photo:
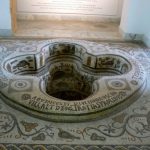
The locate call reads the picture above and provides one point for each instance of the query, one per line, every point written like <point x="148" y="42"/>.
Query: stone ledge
<point x="5" y="32"/>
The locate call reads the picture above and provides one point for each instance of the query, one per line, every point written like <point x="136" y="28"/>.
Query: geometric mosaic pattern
<point x="20" y="85"/>
<point x="72" y="147"/>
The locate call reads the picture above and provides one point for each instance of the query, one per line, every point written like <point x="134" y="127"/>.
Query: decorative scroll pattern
<point x="9" y="122"/>
<point x="136" y="126"/>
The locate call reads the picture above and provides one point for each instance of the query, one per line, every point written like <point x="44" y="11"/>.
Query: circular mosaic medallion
<point x="20" y="85"/>
<point x="117" y="84"/>
<point x="28" y="49"/>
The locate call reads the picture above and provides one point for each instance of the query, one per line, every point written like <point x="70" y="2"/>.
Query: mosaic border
<point x="71" y="147"/>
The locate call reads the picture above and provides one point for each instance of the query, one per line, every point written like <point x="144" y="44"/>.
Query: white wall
<point x="5" y="16"/>
<point x="136" y="19"/>
<point x="146" y="22"/>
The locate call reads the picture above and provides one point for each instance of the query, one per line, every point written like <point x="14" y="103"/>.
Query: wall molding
<point x="6" y="32"/>
<point x="146" y="40"/>
<point x="130" y="36"/>
<point x="65" y="17"/>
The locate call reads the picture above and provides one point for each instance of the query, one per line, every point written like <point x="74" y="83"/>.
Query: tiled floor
<point x="128" y="129"/>
<point x="69" y="29"/>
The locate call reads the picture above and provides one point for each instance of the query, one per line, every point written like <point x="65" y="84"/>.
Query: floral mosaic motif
<point x="29" y="126"/>
<point x="8" y="123"/>
<point x="136" y="125"/>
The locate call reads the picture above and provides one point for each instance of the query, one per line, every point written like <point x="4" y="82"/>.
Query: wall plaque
<point x="83" y="7"/>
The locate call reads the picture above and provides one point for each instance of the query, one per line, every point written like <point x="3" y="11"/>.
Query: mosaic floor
<point x="123" y="130"/>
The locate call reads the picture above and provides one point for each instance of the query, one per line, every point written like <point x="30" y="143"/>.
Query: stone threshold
<point x="69" y="29"/>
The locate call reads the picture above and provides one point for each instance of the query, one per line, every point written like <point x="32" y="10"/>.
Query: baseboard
<point x="5" y="32"/>
<point x="66" y="17"/>
<point x="146" y="40"/>
<point x="130" y="36"/>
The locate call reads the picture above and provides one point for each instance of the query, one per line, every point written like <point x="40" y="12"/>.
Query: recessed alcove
<point x="93" y="20"/>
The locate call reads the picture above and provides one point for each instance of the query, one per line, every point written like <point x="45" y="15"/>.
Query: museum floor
<point x="69" y="29"/>
<point x="128" y="129"/>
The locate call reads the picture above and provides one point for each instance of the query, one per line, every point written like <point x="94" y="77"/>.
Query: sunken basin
<point x="71" y="81"/>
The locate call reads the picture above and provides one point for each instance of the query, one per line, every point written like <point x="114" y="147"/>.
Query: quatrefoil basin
<point x="70" y="80"/>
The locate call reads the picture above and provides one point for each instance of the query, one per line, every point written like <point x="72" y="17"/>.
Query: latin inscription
<point x="90" y="105"/>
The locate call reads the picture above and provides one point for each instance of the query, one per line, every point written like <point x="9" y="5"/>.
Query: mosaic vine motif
<point x="136" y="126"/>
<point x="116" y="129"/>
<point x="8" y="123"/>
